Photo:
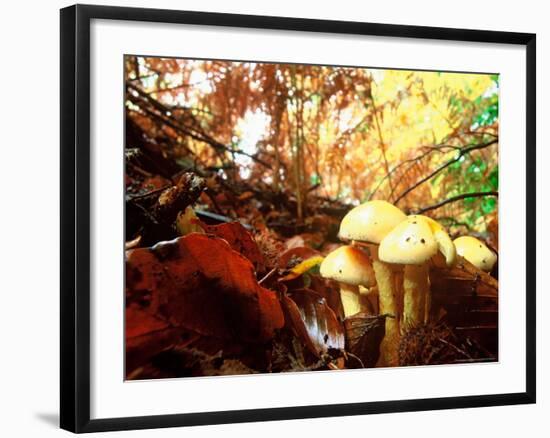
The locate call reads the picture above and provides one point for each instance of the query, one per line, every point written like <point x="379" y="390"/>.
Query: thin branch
<point x="429" y="150"/>
<point x="458" y="156"/>
<point x="380" y="138"/>
<point x="454" y="199"/>
<point x="398" y="166"/>
<point x="187" y="130"/>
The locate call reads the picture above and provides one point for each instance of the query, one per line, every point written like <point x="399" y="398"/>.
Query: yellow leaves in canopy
<point x="417" y="107"/>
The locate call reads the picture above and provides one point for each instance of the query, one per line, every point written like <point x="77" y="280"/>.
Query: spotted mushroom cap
<point x="350" y="265"/>
<point x="476" y="252"/>
<point x="412" y="242"/>
<point x="370" y="222"/>
<point x="444" y="241"/>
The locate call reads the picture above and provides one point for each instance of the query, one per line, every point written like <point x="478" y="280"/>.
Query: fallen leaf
<point x="293" y="256"/>
<point x="302" y="267"/>
<point x="313" y="321"/>
<point x="364" y="333"/>
<point x="305" y="239"/>
<point x="330" y="291"/>
<point x="199" y="283"/>
<point x="467" y="299"/>
<point x="240" y="239"/>
<point x="146" y="335"/>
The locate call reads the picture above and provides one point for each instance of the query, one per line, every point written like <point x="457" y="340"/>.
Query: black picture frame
<point x="75" y="217"/>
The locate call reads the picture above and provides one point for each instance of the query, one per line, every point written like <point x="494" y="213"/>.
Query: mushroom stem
<point x="388" y="304"/>
<point x="351" y="299"/>
<point x="427" y="305"/>
<point x="416" y="288"/>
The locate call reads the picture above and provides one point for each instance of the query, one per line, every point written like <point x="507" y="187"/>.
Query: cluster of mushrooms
<point x="382" y="243"/>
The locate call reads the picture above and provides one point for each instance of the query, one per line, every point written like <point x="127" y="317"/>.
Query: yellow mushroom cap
<point x="370" y="222"/>
<point x="411" y="242"/>
<point x="349" y="265"/>
<point x="444" y="242"/>
<point x="476" y="252"/>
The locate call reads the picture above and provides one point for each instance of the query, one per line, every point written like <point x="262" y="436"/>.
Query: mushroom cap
<point x="412" y="242"/>
<point x="370" y="222"/>
<point x="444" y="241"/>
<point x="476" y="252"/>
<point x="349" y="265"/>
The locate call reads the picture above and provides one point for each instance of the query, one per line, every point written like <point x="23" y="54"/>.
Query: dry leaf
<point x="199" y="283"/>
<point x="313" y="321"/>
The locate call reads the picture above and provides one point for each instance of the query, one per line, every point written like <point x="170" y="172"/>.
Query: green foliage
<point x="470" y="175"/>
<point x="487" y="109"/>
<point x="314" y="179"/>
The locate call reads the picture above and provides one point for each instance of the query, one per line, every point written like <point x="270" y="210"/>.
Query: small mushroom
<point x="413" y="243"/>
<point x="476" y="252"/>
<point x="370" y="223"/>
<point x="350" y="267"/>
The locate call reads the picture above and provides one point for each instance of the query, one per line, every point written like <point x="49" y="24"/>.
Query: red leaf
<point x="199" y="283"/>
<point x="146" y="335"/>
<point x="240" y="240"/>
<point x="139" y="322"/>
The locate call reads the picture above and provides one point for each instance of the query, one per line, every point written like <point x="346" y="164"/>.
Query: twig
<point x="410" y="160"/>
<point x="380" y="138"/>
<point x="269" y="274"/>
<point x="355" y="357"/>
<point x="458" y="156"/>
<point x="455" y="198"/>
<point x="455" y="348"/>
<point x="162" y="114"/>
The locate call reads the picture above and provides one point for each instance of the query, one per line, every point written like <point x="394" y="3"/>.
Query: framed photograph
<point x="268" y="218"/>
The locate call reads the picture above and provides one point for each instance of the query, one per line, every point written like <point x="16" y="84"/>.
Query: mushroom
<point x="350" y="267"/>
<point x="476" y="252"/>
<point x="445" y="244"/>
<point x="370" y="223"/>
<point x="414" y="243"/>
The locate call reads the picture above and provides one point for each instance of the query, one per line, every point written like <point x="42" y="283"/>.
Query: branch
<point x="380" y="138"/>
<point x="428" y="150"/>
<point x="462" y="152"/>
<point x="455" y="198"/>
<point x="398" y="166"/>
<point x="187" y="130"/>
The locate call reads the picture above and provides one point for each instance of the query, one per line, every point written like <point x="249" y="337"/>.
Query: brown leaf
<point x="466" y="298"/>
<point x="199" y="283"/>
<point x="240" y="240"/>
<point x="313" y="321"/>
<point x="305" y="239"/>
<point x="330" y="291"/>
<point x="146" y="335"/>
<point x="364" y="333"/>
<point x="462" y="280"/>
